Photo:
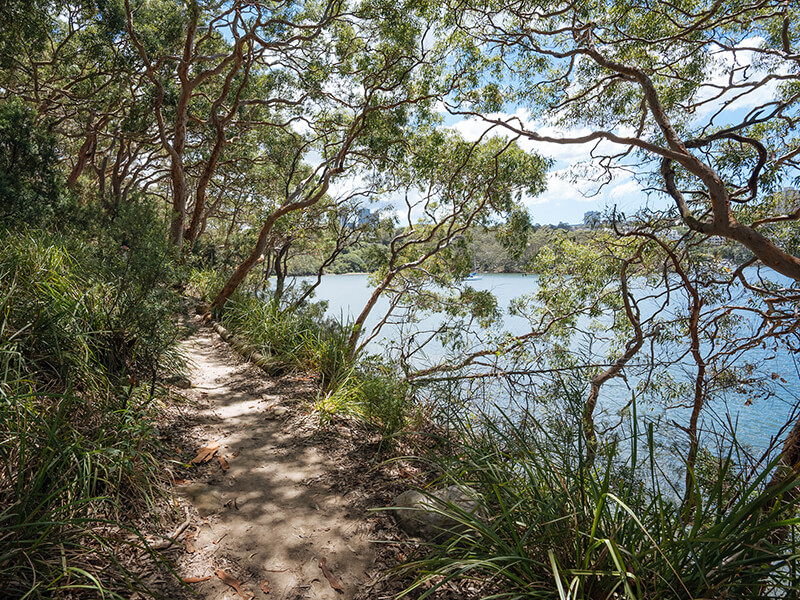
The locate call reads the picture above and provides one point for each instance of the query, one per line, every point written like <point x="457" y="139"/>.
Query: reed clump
<point x="549" y="525"/>
<point x="304" y="339"/>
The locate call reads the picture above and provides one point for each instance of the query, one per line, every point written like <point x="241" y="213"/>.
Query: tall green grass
<point x="204" y="283"/>
<point x="81" y="311"/>
<point x="291" y="338"/>
<point x="86" y="327"/>
<point x="550" y="526"/>
<point x="364" y="387"/>
<point x="69" y="469"/>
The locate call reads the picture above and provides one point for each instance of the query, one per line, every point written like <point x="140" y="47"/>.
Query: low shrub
<point x="71" y="466"/>
<point x="83" y="311"/>
<point x="304" y="339"/>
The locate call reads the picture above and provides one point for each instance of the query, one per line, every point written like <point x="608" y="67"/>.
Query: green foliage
<point x="86" y="310"/>
<point x="513" y="234"/>
<point x="25" y="23"/>
<point x="204" y="282"/>
<point x="561" y="264"/>
<point x="494" y="172"/>
<point x="72" y="466"/>
<point x="30" y="185"/>
<point x="370" y="391"/>
<point x="550" y="526"/>
<point x="386" y="396"/>
<point x="363" y="387"/>
<point x="82" y="319"/>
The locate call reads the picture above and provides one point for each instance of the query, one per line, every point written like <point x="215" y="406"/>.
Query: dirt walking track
<point x="265" y="512"/>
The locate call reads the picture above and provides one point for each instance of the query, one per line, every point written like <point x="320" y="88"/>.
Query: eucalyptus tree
<point x="368" y="77"/>
<point x="706" y="93"/>
<point x="82" y="79"/>
<point x="197" y="59"/>
<point x="698" y="102"/>
<point x="447" y="186"/>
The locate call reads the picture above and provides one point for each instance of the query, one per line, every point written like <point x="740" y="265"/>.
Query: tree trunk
<point x="631" y="349"/>
<point x="231" y="227"/>
<point x="689" y="501"/>
<point x="199" y="212"/>
<point x="352" y="343"/>
<point x="281" y="259"/>
<point x="86" y="151"/>
<point x="178" y="206"/>
<point x="257" y="255"/>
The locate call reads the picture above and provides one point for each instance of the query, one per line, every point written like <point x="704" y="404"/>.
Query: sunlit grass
<point x="361" y="387"/>
<point x="67" y="473"/>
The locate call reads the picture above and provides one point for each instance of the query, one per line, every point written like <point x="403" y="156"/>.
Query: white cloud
<point x="564" y="154"/>
<point x="736" y="67"/>
<point x="577" y="182"/>
<point x="624" y="189"/>
<point x="472" y="128"/>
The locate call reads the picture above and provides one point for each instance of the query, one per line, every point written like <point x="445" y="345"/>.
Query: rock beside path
<point x="420" y="514"/>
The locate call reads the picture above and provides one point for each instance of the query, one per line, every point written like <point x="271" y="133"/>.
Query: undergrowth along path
<point x="265" y="520"/>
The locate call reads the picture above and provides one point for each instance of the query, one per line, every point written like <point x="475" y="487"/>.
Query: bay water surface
<point x="756" y="424"/>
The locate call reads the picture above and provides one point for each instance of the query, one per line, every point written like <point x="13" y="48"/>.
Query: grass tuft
<point x="85" y="330"/>
<point x="365" y="387"/>
<point x="560" y="529"/>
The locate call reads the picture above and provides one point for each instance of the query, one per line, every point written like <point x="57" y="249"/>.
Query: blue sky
<point x="568" y="200"/>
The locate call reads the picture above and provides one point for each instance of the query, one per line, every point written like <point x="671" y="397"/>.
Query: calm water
<point x="756" y="424"/>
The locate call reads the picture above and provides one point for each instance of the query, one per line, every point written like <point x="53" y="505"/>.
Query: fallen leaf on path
<point x="188" y="542"/>
<point x="323" y="564"/>
<point x="195" y="579"/>
<point x="406" y="473"/>
<point x="206" y="453"/>
<point x="235" y="454"/>
<point x="237" y="585"/>
<point x="223" y="463"/>
<point x="265" y="586"/>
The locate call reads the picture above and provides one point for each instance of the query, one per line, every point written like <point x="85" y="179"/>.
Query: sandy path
<point x="269" y="518"/>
